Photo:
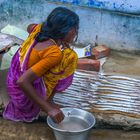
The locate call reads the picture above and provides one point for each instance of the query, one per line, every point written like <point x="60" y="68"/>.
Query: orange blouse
<point x="40" y="61"/>
<point x="51" y="63"/>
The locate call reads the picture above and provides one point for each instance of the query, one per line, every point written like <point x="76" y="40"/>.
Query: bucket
<point x="75" y="126"/>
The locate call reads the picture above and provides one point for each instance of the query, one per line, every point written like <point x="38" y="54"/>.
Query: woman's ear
<point x="69" y="38"/>
<point x="72" y="31"/>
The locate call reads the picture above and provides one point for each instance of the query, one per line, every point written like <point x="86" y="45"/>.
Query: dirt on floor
<point x="40" y="131"/>
<point x="117" y="63"/>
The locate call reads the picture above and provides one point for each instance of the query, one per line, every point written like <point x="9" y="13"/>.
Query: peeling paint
<point x="95" y="3"/>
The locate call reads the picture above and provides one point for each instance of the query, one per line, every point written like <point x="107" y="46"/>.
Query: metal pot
<point x="76" y="125"/>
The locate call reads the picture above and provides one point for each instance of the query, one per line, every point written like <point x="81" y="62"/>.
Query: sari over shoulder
<point x="55" y="69"/>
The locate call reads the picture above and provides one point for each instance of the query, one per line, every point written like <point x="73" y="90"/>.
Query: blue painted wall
<point x="125" y="6"/>
<point x="120" y="31"/>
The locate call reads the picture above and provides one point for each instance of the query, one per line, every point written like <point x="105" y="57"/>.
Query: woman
<point x="43" y="65"/>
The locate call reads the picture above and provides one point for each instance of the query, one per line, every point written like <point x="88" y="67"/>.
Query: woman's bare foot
<point x="1" y="109"/>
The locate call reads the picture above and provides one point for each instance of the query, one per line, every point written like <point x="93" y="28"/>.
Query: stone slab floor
<point x="117" y="63"/>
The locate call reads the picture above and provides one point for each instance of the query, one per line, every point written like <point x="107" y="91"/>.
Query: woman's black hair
<point x="58" y="24"/>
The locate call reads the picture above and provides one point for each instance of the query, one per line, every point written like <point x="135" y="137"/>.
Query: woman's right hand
<point x="56" y="114"/>
<point x="25" y="83"/>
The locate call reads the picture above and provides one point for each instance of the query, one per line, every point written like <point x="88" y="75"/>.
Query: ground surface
<point x="40" y="131"/>
<point x="123" y="63"/>
<point x="119" y="63"/>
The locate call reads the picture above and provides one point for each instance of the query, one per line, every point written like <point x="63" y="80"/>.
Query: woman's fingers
<point x="58" y="117"/>
<point x="56" y="114"/>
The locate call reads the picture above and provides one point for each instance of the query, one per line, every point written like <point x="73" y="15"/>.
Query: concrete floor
<point x="40" y="131"/>
<point x="123" y="63"/>
<point x="117" y="63"/>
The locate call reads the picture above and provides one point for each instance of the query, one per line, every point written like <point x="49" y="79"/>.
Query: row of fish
<point x="92" y="90"/>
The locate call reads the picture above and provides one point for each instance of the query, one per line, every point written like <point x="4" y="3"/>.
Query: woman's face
<point x="69" y="38"/>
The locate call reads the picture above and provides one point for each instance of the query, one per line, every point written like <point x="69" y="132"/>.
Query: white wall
<point x="119" y="31"/>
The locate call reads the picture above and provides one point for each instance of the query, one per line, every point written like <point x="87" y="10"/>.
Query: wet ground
<point x="119" y="63"/>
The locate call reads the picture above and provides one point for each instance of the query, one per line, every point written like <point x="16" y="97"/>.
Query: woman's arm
<point x="31" y="27"/>
<point x="25" y="83"/>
